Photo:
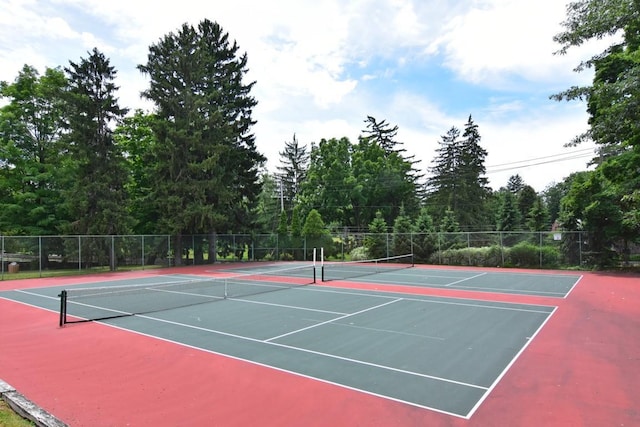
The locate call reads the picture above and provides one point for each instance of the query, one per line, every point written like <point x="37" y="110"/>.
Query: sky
<point x="322" y="66"/>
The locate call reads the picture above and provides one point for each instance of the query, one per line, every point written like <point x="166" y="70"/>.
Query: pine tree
<point x="457" y="179"/>
<point x="508" y="215"/>
<point x="97" y="197"/>
<point x="442" y="186"/>
<point x="376" y="240"/>
<point x="206" y="162"/>
<point x="401" y="241"/>
<point x="474" y="188"/>
<point x="424" y="238"/>
<point x="294" y="161"/>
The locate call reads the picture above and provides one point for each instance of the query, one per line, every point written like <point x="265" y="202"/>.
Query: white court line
<point x="504" y="371"/>
<point x="465" y="279"/>
<point x="36" y="294"/>
<point x="574" y="285"/>
<point x="333" y="320"/>
<point x="304" y="350"/>
<point x="502" y="305"/>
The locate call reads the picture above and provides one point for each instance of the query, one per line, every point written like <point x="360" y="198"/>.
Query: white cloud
<point x="503" y="42"/>
<point x="317" y="63"/>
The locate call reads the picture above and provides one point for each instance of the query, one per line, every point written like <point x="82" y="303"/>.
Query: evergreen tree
<point x="97" y="196"/>
<point x="525" y="200"/>
<point x="457" y="182"/>
<point x="267" y="210"/>
<point x="508" y="215"/>
<point x="293" y="170"/>
<point x="442" y="186"/>
<point x="296" y="232"/>
<point x="537" y="218"/>
<point x="424" y="237"/>
<point x="401" y="241"/>
<point x="515" y="184"/>
<point x="206" y="163"/>
<point x="474" y="186"/>
<point x="376" y="241"/>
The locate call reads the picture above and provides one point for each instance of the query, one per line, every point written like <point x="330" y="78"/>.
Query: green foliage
<point x="537" y="218"/>
<point x="32" y="172"/>
<point x="424" y="239"/>
<point x="525" y="254"/>
<point x="135" y="138"/>
<point x="359" y="254"/>
<point x="267" y="209"/>
<point x="489" y="256"/>
<point x="296" y="225"/>
<point x="604" y="204"/>
<point x="508" y="215"/>
<point x="293" y="171"/>
<point x="458" y="185"/>
<point x="401" y="240"/>
<point x="449" y="224"/>
<point x="283" y="225"/>
<point x="96" y="196"/>
<point x="205" y="162"/>
<point x="376" y="240"/>
<point x="316" y="233"/>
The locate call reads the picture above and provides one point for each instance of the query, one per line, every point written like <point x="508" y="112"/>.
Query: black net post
<point x="63" y="307"/>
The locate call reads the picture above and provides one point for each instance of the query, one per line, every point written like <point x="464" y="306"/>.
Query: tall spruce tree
<point x="96" y="196"/>
<point x="294" y="161"/>
<point x="457" y="181"/>
<point x="206" y="161"/>
<point x="443" y="183"/>
<point x="474" y="186"/>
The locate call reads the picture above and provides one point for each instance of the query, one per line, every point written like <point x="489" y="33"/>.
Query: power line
<point x="555" y="158"/>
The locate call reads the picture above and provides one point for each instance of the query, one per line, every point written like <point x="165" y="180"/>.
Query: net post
<point x="322" y="263"/>
<point x="314" y="265"/>
<point x="63" y="307"/>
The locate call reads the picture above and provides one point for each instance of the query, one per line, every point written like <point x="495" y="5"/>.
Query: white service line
<point x="465" y="279"/>
<point x="333" y="320"/>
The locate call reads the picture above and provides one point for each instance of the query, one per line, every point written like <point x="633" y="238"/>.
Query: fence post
<point x="540" y="233"/>
<point x="79" y="253"/>
<point x="580" y="247"/>
<point x="40" y="256"/>
<point x="2" y="258"/>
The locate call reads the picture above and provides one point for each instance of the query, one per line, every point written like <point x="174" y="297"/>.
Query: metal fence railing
<point x="521" y="249"/>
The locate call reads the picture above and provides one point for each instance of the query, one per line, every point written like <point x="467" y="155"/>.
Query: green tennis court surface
<point x="557" y="285"/>
<point x="443" y="354"/>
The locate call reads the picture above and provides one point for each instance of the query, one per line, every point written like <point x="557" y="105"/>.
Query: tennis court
<point x="437" y="353"/>
<point x="555" y="285"/>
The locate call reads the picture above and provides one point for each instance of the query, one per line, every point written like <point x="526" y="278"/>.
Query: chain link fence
<point x="50" y="254"/>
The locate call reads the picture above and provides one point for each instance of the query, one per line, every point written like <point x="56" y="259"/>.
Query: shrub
<point x="523" y="254"/>
<point x="358" y="254"/>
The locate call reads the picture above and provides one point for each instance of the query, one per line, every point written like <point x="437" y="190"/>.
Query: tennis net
<point x="107" y="302"/>
<point x="352" y="269"/>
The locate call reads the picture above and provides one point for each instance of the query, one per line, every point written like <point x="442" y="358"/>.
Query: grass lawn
<point x="8" y="418"/>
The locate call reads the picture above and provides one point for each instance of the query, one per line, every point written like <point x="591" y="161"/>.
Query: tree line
<point x="72" y="161"/>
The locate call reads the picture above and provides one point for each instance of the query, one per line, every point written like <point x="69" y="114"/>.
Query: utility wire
<point x="574" y="155"/>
